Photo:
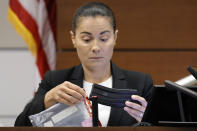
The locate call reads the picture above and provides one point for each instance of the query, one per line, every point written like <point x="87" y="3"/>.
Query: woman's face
<point x="94" y="41"/>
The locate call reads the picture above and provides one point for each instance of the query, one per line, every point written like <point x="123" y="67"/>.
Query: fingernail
<point x="125" y="108"/>
<point x="126" y="102"/>
<point x="133" y="96"/>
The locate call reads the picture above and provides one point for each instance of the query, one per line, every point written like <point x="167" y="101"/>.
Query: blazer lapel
<point x="119" y="82"/>
<point x="77" y="76"/>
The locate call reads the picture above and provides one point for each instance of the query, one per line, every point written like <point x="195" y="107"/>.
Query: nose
<point x="95" y="47"/>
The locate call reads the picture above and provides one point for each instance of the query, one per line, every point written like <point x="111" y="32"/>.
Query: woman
<point x="94" y="36"/>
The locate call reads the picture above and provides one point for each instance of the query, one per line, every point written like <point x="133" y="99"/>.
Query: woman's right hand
<point x="66" y="93"/>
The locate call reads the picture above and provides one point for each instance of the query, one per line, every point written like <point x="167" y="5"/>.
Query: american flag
<point x="35" y="21"/>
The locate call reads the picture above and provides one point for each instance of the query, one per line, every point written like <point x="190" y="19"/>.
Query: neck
<point x="97" y="75"/>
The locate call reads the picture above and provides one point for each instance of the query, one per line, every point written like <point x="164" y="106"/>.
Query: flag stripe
<point x="51" y="9"/>
<point x="31" y="25"/>
<point x="46" y="34"/>
<point x="26" y="19"/>
<point x="23" y="31"/>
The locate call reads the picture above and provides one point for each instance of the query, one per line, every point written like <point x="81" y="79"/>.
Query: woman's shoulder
<point x="62" y="74"/>
<point x="129" y="73"/>
<point x="134" y="73"/>
<point x="134" y="76"/>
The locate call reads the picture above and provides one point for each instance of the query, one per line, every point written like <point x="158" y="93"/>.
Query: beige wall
<point x="17" y="70"/>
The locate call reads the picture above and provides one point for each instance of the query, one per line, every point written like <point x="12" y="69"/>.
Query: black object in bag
<point x="113" y="97"/>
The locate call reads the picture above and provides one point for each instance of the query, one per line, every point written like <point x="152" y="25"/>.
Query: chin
<point x="96" y="64"/>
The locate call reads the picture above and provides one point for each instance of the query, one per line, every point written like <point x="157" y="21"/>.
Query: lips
<point x="95" y="58"/>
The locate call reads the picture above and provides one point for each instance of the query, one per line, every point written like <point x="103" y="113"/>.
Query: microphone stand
<point x="180" y="89"/>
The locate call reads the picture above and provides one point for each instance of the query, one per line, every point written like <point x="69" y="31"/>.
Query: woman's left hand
<point x="136" y="110"/>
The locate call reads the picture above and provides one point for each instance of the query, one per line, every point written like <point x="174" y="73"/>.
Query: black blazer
<point x="121" y="79"/>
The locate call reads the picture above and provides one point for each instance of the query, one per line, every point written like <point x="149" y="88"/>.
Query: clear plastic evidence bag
<point x="60" y="115"/>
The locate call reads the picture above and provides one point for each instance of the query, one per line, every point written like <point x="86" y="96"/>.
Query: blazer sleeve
<point x="148" y="87"/>
<point x="36" y="105"/>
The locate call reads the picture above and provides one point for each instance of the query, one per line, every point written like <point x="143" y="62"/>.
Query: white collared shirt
<point x="104" y="111"/>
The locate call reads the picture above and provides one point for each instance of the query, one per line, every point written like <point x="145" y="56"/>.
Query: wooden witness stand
<point x="97" y="129"/>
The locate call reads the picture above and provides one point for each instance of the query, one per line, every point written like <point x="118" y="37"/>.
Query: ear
<point x="115" y="35"/>
<point x="72" y="38"/>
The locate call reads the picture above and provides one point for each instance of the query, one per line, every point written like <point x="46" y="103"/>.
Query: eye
<point x="104" y="40"/>
<point x="86" y="39"/>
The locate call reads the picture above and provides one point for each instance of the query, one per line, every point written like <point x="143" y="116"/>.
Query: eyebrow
<point x="106" y="31"/>
<point x="85" y="32"/>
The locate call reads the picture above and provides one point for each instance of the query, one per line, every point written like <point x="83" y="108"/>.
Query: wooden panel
<point x="161" y="65"/>
<point x="147" y="24"/>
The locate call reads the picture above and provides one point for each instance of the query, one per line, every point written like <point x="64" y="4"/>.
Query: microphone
<point x="192" y="71"/>
<point x="187" y="81"/>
